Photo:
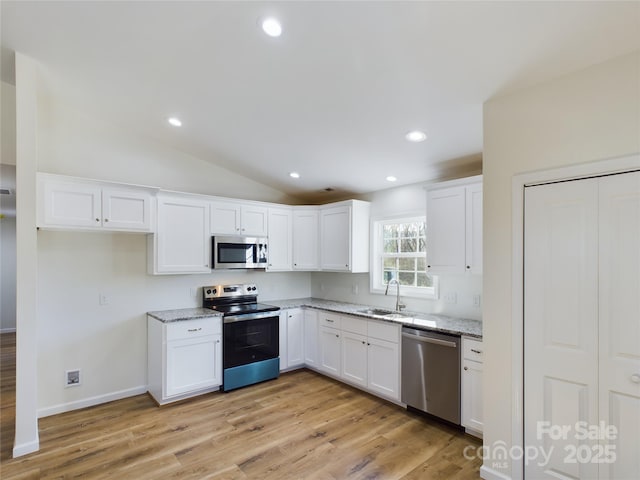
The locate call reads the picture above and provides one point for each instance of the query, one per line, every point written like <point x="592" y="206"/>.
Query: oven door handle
<point x="250" y="316"/>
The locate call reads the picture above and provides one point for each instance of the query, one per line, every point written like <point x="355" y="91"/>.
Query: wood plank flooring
<point x="300" y="426"/>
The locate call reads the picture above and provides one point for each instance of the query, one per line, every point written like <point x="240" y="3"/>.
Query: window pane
<point x="422" y="245"/>
<point x="408" y="245"/>
<point x="422" y="264"/>
<point x="388" y="275"/>
<point x="407" y="264"/>
<point x="391" y="246"/>
<point x="390" y="263"/>
<point x="406" y="278"/>
<point x="390" y="231"/>
<point x="423" y="280"/>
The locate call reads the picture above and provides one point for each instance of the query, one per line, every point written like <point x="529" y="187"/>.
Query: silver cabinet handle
<point x="635" y="378"/>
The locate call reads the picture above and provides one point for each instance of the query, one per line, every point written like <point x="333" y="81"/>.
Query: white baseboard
<point x="7" y="330"/>
<point x="491" y="474"/>
<point x="90" y="402"/>
<point x="25" y="448"/>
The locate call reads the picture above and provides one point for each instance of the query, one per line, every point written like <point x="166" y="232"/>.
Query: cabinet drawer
<point x="472" y="349"/>
<point x="199" y="327"/>
<point x="384" y="331"/>
<point x="354" y="325"/>
<point x="331" y="320"/>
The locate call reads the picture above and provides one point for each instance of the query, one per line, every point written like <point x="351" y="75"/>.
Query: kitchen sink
<point x="380" y="312"/>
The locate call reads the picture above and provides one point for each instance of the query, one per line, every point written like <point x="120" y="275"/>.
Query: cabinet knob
<point x="337" y="336"/>
<point x="369" y="344"/>
<point x="635" y="378"/>
<point x="428" y="266"/>
<point x="106" y="220"/>
<point x="468" y="267"/>
<point x="466" y="368"/>
<point x="363" y="342"/>
<point x="97" y="219"/>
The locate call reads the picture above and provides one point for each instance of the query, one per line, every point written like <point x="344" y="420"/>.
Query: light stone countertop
<point x="418" y="320"/>
<point x="168" y="316"/>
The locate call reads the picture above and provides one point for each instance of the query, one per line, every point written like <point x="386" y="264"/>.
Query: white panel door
<point x="561" y="322"/>
<point x="330" y="350"/>
<point x="310" y="337"/>
<point x="473" y="214"/>
<point x="335" y="238"/>
<point x="193" y="364"/>
<point x="305" y="240"/>
<point x="225" y="218"/>
<point x="253" y="220"/>
<point x="354" y="358"/>
<point x="295" y="337"/>
<point x="384" y="368"/>
<point x="619" y="346"/>
<point x="280" y="240"/>
<point x="70" y="204"/>
<point x="126" y="210"/>
<point x="446" y="230"/>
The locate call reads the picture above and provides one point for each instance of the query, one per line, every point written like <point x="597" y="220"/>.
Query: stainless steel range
<point x="250" y="347"/>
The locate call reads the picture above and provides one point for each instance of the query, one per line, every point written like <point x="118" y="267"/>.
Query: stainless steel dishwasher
<point x="431" y="373"/>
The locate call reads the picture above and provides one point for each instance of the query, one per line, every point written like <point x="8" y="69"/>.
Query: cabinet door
<point x="193" y="364"/>
<point x="446" y="230"/>
<point x="280" y="240"/>
<point x="295" y="337"/>
<point x="72" y="205"/>
<point x="282" y="335"/>
<point x="472" y="395"/>
<point x="330" y="350"/>
<point x="354" y="358"/>
<point x="183" y="240"/>
<point x="473" y="218"/>
<point x="335" y="238"/>
<point x="310" y="337"/>
<point x="126" y="210"/>
<point x="254" y="220"/>
<point x="384" y="368"/>
<point x="305" y="240"/>
<point x="225" y="218"/>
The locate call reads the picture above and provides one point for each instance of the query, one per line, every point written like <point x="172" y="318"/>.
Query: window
<point x="400" y="251"/>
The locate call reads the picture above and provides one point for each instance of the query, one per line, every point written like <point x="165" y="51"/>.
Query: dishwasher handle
<point x="435" y="341"/>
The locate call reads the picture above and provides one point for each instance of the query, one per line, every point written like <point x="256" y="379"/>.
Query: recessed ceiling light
<point x="294" y="175"/>
<point x="416" y="136"/>
<point x="272" y="27"/>
<point x="391" y="178"/>
<point x="174" y="121"/>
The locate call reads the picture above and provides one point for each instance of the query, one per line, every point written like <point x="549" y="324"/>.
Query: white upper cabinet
<point x="71" y="203"/>
<point x="305" y="238"/>
<point x="454" y="229"/>
<point x="230" y="218"/>
<point x="344" y="236"/>
<point x="280" y="252"/>
<point x="182" y="243"/>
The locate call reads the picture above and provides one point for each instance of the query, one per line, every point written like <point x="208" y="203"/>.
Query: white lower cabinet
<point x="184" y="358"/>
<point x="364" y="353"/>
<point x="471" y="376"/>
<point x="291" y="338"/>
<point x="310" y="337"/>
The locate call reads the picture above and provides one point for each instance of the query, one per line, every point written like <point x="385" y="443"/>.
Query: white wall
<point x="589" y="115"/>
<point x="8" y="251"/>
<point x="409" y="200"/>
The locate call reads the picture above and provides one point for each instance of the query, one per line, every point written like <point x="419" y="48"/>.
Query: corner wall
<point x="589" y="115"/>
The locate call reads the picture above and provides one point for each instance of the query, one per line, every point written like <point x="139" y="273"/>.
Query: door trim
<point x="616" y="165"/>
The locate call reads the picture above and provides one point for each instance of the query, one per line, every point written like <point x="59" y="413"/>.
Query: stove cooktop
<point x="244" y="308"/>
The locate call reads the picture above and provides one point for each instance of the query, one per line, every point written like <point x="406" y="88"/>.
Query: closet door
<point x="561" y="322"/>
<point x="619" y="312"/>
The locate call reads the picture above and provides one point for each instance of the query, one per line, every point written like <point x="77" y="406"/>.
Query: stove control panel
<point x="217" y="291"/>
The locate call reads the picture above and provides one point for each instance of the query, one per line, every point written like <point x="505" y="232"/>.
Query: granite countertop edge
<point x="422" y="321"/>
<point x="181" y="314"/>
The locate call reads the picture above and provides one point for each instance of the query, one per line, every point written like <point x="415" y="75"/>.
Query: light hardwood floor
<point x="300" y="426"/>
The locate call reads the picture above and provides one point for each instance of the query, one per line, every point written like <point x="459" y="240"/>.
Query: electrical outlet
<point x="477" y="300"/>
<point x="72" y="378"/>
<point x="451" y="297"/>
<point x="103" y="299"/>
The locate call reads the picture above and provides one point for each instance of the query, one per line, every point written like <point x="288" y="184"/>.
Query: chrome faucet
<point x="399" y="306"/>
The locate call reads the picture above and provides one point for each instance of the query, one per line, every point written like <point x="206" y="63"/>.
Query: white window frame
<point x="375" y="277"/>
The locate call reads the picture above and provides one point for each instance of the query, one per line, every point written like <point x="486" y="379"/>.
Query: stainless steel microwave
<point x="239" y="252"/>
